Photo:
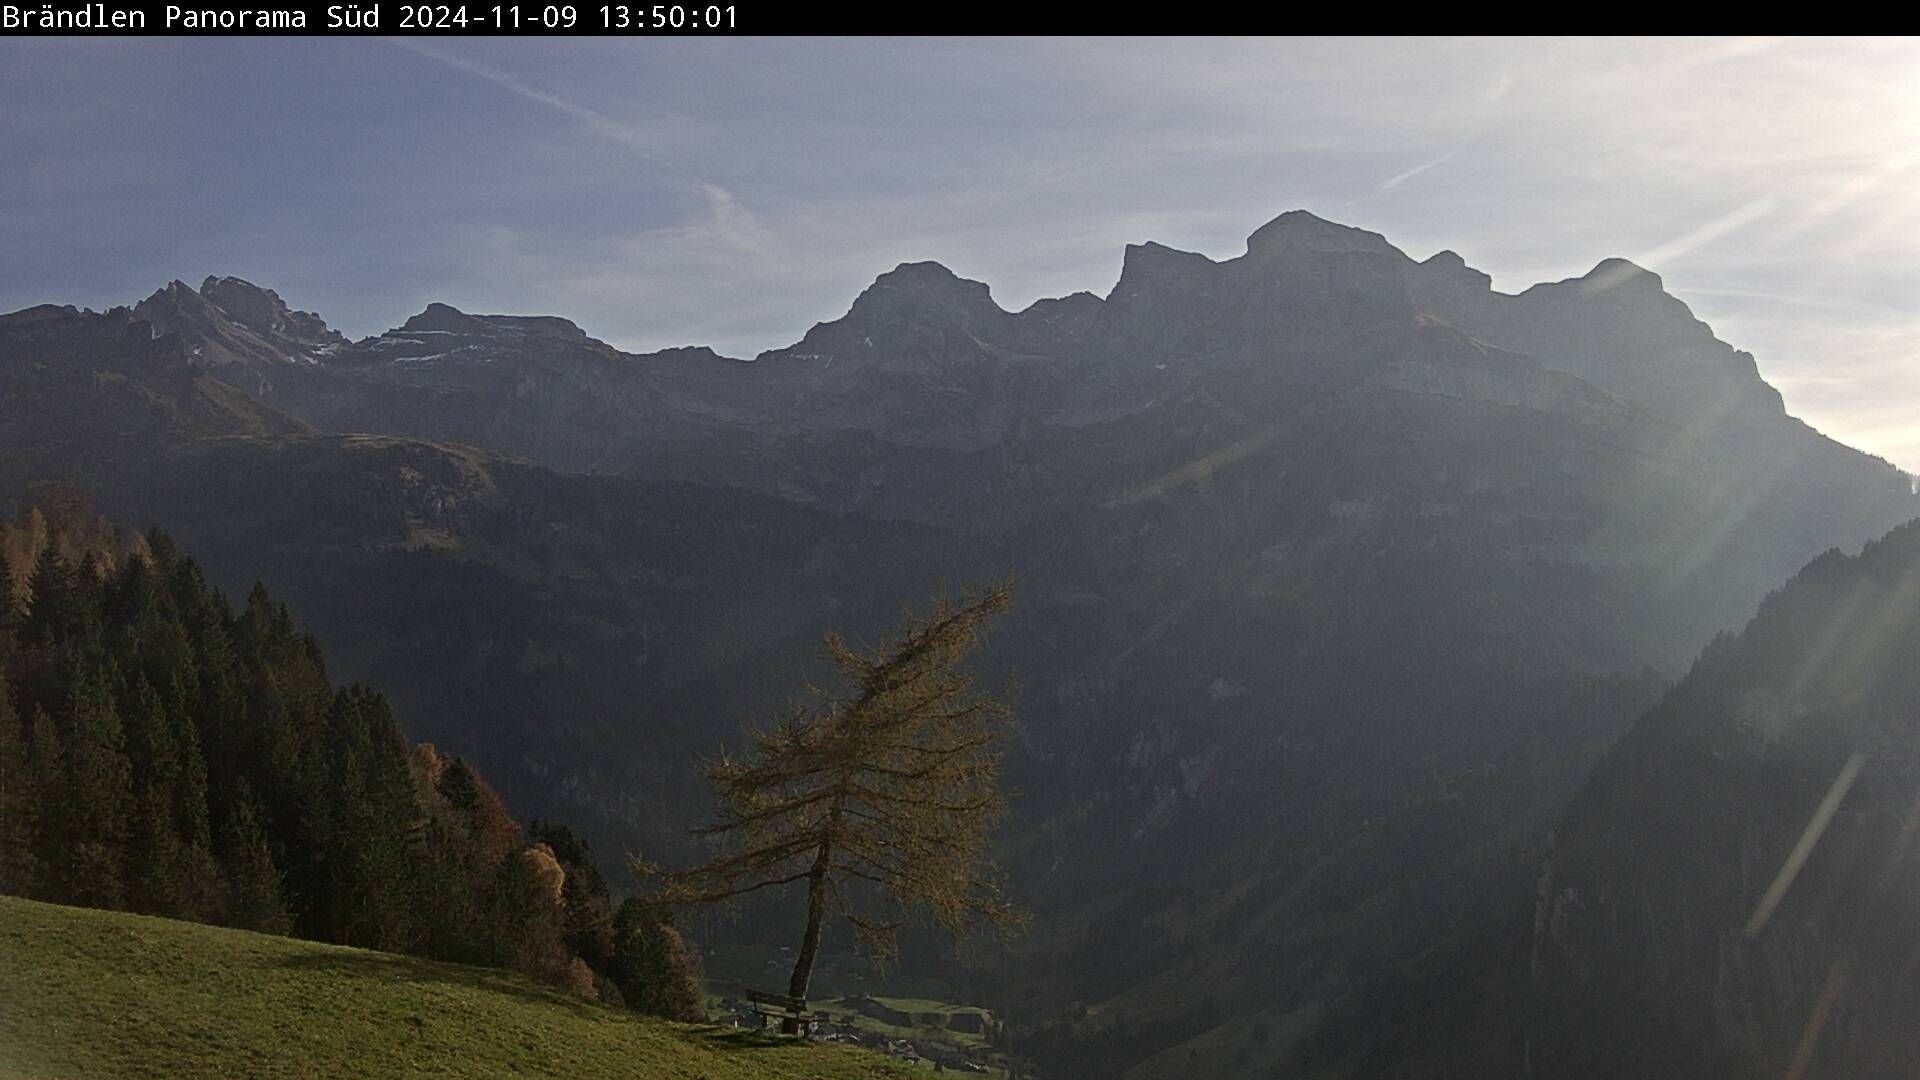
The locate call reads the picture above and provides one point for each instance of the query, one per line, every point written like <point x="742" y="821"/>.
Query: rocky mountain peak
<point x="924" y="284"/>
<point x="691" y="355"/>
<point x="1155" y="266"/>
<point x="911" y="314"/>
<point x="1074" y="309"/>
<point x="1617" y="327"/>
<point x="1621" y="292"/>
<point x="229" y="320"/>
<point x="243" y="300"/>
<point x="1616" y="273"/>
<point x="40" y="314"/>
<point x="176" y="294"/>
<point x="445" y="318"/>
<point x="1444" y="285"/>
<point x="1301" y="230"/>
<point x="263" y="311"/>
<point x="1449" y="265"/>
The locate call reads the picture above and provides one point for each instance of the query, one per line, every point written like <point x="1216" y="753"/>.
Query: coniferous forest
<point x="166" y="754"/>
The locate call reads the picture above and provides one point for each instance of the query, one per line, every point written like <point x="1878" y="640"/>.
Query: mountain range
<point x="1338" y="571"/>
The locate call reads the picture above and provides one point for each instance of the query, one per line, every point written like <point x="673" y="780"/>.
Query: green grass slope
<point x="99" y="995"/>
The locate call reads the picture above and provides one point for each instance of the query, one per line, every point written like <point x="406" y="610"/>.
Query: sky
<point x="734" y="192"/>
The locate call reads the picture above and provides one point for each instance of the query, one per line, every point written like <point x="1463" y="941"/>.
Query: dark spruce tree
<point x="368" y="893"/>
<point x="155" y="856"/>
<point x="18" y="810"/>
<point x="9" y="614"/>
<point x="44" y="757"/>
<point x="96" y="799"/>
<point x="252" y="888"/>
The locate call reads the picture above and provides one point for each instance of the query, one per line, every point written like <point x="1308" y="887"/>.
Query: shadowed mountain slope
<point x="1730" y="893"/>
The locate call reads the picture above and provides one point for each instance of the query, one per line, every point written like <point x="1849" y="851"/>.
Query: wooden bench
<point x="782" y="1007"/>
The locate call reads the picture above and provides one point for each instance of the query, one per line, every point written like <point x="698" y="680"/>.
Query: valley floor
<point x="99" y="995"/>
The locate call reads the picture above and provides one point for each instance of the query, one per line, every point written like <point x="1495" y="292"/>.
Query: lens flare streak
<point x="1797" y="858"/>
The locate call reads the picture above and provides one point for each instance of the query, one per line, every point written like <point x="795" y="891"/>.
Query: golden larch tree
<point x="882" y="790"/>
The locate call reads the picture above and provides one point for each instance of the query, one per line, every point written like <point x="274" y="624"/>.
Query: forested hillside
<point x="163" y="753"/>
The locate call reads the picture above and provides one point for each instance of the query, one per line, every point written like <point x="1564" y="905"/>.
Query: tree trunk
<point x="810" y="945"/>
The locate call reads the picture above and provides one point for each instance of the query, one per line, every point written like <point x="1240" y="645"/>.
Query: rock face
<point x="245" y="333"/>
<point x="81" y="387"/>
<point x="1617" y="328"/>
<point x="1338" y="571"/>
<point x="1674" y="462"/>
<point x="262" y="311"/>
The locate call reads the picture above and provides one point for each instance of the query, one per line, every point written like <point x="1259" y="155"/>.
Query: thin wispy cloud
<point x="1707" y="53"/>
<point x="598" y="122"/>
<point x="1395" y="181"/>
<point x="1695" y="239"/>
<point x="736" y="227"/>
<point x="1861" y="185"/>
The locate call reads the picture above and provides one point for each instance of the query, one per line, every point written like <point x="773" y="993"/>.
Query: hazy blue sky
<point x="733" y="192"/>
